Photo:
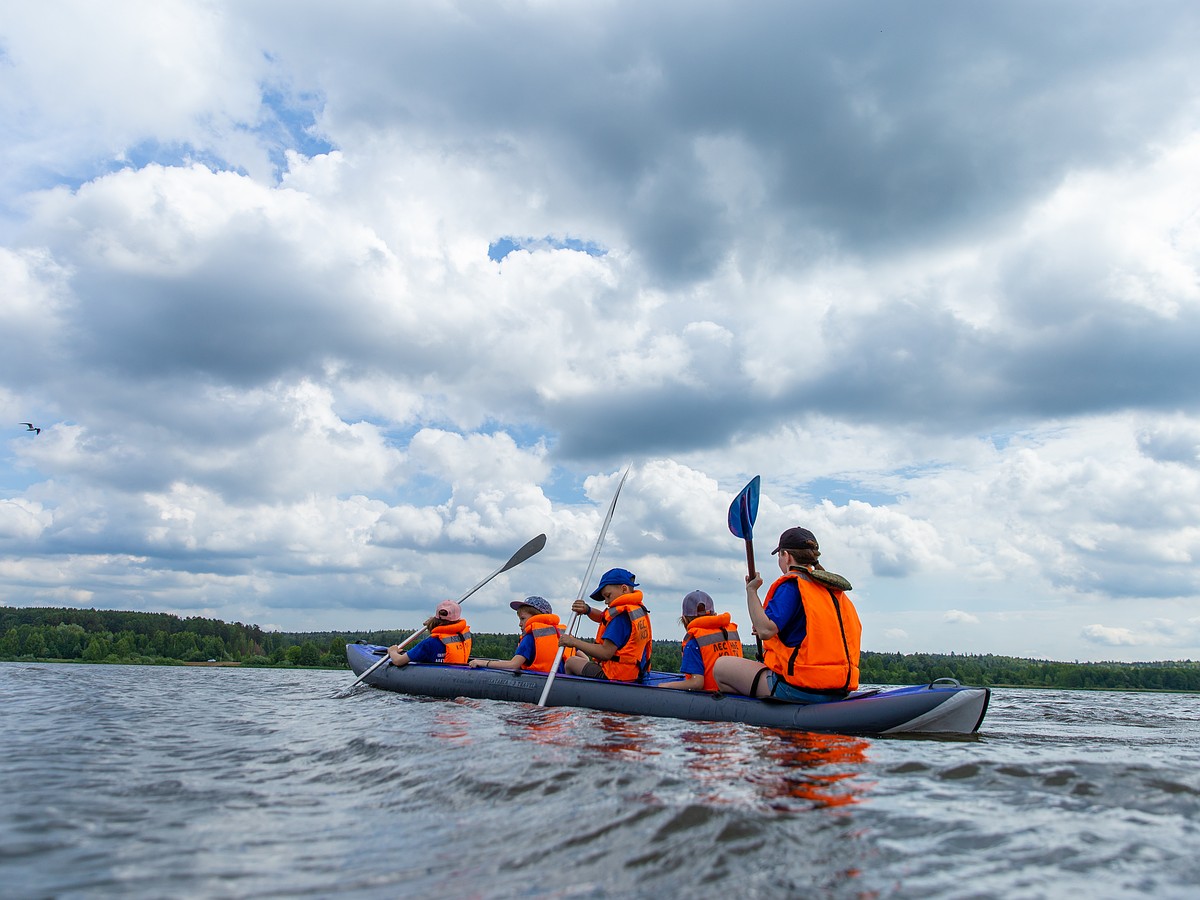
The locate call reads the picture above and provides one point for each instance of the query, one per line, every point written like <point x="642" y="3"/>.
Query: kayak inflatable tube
<point x="943" y="707"/>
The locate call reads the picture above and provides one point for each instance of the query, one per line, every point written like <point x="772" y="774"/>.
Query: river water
<point x="127" y="781"/>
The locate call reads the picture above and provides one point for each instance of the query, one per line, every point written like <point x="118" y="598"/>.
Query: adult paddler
<point x="809" y="629"/>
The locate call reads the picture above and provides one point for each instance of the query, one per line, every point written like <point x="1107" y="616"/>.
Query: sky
<point x="324" y="310"/>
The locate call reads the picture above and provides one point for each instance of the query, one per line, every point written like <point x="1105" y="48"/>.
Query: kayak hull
<point x="938" y="708"/>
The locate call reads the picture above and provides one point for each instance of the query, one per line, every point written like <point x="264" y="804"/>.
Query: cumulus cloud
<point x="937" y="285"/>
<point x="1110" y="637"/>
<point x="958" y="617"/>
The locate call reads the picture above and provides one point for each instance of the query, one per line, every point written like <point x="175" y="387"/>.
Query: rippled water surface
<point x="207" y="782"/>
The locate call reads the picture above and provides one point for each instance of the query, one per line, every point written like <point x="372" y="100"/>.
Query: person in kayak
<point x="621" y="650"/>
<point x="540" y="630"/>
<point x="709" y="637"/>
<point x="809" y="629"/>
<point x="449" y="639"/>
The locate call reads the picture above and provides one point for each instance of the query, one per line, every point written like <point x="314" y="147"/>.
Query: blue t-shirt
<point x="787" y="612"/>
<point x="693" y="662"/>
<point x="430" y="650"/>
<point x="527" y="648"/>
<point x="619" y="630"/>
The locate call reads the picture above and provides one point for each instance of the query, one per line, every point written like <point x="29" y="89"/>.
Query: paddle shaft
<point x="530" y="548"/>
<point x="587" y="577"/>
<point x="386" y="659"/>
<point x="745" y="504"/>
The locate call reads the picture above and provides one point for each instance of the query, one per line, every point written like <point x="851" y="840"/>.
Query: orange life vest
<point x="457" y="638"/>
<point x="827" y="658"/>
<point x="545" y="628"/>
<point x="632" y="660"/>
<point x="716" y="636"/>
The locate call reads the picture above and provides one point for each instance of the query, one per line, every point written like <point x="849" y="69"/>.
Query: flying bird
<point x="30" y="427"/>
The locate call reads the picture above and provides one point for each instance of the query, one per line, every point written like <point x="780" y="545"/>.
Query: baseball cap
<point x="448" y="610"/>
<point x="796" y="539"/>
<point x="613" y="576"/>
<point x="693" y="601"/>
<point x="539" y="603"/>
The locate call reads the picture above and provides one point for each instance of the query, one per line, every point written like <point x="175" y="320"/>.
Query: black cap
<point x="796" y="539"/>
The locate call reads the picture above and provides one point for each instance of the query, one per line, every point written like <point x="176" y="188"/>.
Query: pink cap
<point x="448" y="610"/>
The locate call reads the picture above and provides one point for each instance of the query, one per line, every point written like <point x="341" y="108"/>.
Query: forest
<point x="108" y="636"/>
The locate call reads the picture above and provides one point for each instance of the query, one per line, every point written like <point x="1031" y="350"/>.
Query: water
<point x="124" y="781"/>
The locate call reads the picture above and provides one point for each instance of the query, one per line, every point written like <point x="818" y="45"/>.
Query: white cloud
<point x="249" y="300"/>
<point x="958" y="617"/>
<point x="1110" y="637"/>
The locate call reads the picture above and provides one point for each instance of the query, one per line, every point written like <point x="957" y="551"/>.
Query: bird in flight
<point x="30" y="427"/>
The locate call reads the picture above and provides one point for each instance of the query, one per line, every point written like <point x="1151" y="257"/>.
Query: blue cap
<point x="541" y="604"/>
<point x="613" y="576"/>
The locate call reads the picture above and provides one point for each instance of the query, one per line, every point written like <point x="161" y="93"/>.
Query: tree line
<point x="110" y="636"/>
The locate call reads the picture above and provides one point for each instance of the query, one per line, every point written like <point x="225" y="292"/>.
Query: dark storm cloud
<point x="913" y="366"/>
<point x="885" y="126"/>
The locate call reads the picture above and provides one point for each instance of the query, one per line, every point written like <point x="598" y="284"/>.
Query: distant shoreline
<point x="210" y="664"/>
<point x="30" y="634"/>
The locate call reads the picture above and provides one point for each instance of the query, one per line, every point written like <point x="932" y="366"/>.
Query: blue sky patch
<point x="290" y="123"/>
<point x="501" y="247"/>
<point x="840" y="492"/>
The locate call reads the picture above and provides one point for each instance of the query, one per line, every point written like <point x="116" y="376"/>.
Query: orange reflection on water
<point x="624" y="734"/>
<point x="562" y="726"/>
<point x="819" y="770"/>
<point x="549" y="725"/>
<point x="452" y="724"/>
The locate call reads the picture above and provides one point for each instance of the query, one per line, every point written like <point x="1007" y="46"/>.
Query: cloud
<point x="1110" y="637"/>
<point x="958" y="617"/>
<point x="326" y="311"/>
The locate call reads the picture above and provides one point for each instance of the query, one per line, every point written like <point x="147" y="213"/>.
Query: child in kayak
<point x="621" y="650"/>
<point x="709" y="637"/>
<point x="449" y="639"/>
<point x="540" y="631"/>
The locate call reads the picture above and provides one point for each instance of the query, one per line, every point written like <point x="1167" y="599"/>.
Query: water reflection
<point x="713" y="762"/>
<point x="786" y="770"/>
<point x="452" y="723"/>
<point x="623" y="735"/>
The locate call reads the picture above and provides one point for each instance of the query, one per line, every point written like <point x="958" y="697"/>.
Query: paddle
<point x="587" y="578"/>
<point x="742" y="513"/>
<point x="516" y="559"/>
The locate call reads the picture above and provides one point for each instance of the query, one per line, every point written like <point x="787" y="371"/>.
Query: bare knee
<point x="738" y="676"/>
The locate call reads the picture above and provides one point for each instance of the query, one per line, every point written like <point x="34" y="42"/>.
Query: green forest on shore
<point x="109" y="636"/>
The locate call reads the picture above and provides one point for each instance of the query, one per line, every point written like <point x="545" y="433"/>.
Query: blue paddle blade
<point x="743" y="511"/>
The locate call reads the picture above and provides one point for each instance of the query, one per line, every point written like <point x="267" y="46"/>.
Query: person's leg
<point x="591" y="669"/>
<point x="735" y="675"/>
<point x="581" y="665"/>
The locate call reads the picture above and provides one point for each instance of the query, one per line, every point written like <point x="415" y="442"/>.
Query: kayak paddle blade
<point x="744" y="510"/>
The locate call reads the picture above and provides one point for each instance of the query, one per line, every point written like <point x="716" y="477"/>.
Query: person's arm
<point x="601" y="652"/>
<point x="691" y="667"/>
<point x="581" y="608"/>
<point x="397" y="656"/>
<point x="426" y="651"/>
<point x="689" y="683"/>
<point x="510" y="665"/>
<point x="763" y="626"/>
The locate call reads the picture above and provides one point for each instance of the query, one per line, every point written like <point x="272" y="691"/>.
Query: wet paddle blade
<point x="744" y="510"/>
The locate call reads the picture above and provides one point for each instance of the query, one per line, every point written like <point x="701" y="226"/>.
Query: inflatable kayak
<point x="943" y="707"/>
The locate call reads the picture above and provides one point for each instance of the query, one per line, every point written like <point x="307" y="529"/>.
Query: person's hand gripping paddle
<point x="587" y="577"/>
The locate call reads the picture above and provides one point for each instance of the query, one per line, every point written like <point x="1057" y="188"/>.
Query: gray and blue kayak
<point x="942" y="707"/>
